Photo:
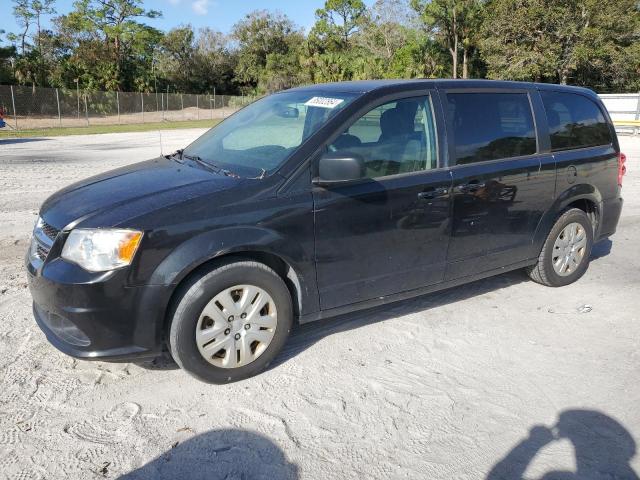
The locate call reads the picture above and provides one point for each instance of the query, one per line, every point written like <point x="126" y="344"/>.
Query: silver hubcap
<point x="569" y="249"/>
<point x="236" y="326"/>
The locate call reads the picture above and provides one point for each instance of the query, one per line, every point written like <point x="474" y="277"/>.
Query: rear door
<point x="583" y="144"/>
<point x="503" y="180"/>
<point x="387" y="233"/>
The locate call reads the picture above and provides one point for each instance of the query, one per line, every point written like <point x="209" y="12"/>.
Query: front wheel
<point x="231" y="322"/>
<point x="565" y="255"/>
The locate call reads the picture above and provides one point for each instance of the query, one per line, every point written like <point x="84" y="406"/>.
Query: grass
<point x="98" y="129"/>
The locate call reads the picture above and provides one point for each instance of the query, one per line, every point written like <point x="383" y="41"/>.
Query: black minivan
<point x="317" y="201"/>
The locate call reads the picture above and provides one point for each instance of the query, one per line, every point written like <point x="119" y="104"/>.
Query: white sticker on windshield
<point x="324" y="102"/>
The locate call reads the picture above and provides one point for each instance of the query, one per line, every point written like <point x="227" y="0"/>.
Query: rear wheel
<point x="230" y="323"/>
<point x="565" y="255"/>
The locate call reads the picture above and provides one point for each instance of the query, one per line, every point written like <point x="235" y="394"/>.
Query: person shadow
<point x="219" y="454"/>
<point x="603" y="449"/>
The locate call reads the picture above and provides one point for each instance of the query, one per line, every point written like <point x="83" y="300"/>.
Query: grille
<point x="43" y="238"/>
<point x="41" y="252"/>
<point x="49" y="231"/>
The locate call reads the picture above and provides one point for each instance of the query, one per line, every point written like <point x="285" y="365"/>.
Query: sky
<point x="218" y="14"/>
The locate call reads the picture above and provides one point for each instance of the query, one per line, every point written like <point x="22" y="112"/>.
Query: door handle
<point x="470" y="187"/>
<point x="432" y="193"/>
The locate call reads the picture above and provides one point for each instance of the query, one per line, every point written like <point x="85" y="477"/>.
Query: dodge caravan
<point x="317" y="201"/>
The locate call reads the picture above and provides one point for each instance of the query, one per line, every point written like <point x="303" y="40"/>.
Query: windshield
<point x="261" y="136"/>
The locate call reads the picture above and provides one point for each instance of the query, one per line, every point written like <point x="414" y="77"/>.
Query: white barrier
<point x="624" y="109"/>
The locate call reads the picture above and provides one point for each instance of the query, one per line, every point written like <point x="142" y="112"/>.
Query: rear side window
<point x="574" y="121"/>
<point x="489" y="126"/>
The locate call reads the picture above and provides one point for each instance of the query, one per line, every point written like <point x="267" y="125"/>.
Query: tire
<point x="195" y="321"/>
<point x="543" y="271"/>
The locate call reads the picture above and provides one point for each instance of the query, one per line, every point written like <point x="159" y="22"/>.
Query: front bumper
<point x="97" y="316"/>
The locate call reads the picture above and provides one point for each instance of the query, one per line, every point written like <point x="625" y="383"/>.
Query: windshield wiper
<point x="177" y="156"/>
<point x="210" y="166"/>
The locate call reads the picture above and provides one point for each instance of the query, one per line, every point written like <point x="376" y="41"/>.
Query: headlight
<point x="99" y="250"/>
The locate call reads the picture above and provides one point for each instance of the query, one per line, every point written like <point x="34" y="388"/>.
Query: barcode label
<point x="324" y="102"/>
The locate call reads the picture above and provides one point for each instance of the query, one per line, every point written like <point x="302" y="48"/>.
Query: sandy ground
<point x="446" y="386"/>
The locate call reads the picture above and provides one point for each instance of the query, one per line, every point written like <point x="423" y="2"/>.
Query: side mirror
<point x="339" y="167"/>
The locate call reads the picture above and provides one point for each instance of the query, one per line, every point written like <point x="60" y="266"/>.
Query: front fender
<point x="213" y="244"/>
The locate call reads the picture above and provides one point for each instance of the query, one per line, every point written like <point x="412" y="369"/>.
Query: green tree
<point x="331" y="53"/>
<point x="587" y="42"/>
<point x="267" y="51"/>
<point x="385" y="29"/>
<point x="191" y="62"/>
<point x="455" y="23"/>
<point x="419" y="57"/>
<point x="175" y="58"/>
<point x="337" y="22"/>
<point x="32" y="60"/>
<point x="24" y="19"/>
<point x="6" y="54"/>
<point x="115" y="23"/>
<point x="215" y="63"/>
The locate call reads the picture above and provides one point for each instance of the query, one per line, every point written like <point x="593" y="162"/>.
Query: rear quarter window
<point x="490" y="126"/>
<point x="575" y="121"/>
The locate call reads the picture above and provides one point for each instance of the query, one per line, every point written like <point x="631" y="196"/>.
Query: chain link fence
<point x="28" y="108"/>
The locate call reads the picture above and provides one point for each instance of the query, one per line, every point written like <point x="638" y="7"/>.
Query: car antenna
<point x="160" y="134"/>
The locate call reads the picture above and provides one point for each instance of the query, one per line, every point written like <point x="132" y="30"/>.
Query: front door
<point x="387" y="233"/>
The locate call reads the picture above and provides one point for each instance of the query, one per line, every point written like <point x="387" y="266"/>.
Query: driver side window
<point x="396" y="137"/>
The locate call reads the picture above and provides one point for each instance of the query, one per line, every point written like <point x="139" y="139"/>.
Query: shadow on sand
<point x="219" y="454"/>
<point x="603" y="449"/>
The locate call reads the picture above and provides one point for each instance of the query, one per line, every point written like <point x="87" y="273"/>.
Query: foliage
<point x="455" y="24"/>
<point x="337" y="22"/>
<point x="267" y="51"/>
<point x="111" y="29"/>
<point x="586" y="42"/>
<point x="109" y="45"/>
<point x="6" y="53"/>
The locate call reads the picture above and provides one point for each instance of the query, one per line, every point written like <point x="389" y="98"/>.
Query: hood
<point x="125" y="187"/>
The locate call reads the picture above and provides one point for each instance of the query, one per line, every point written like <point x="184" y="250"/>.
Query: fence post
<point x="13" y="102"/>
<point x="58" y="102"/>
<point x="162" y="98"/>
<point x="211" y="107"/>
<point x="182" y="106"/>
<point x="198" y="107"/>
<point x="142" y="100"/>
<point x="214" y="98"/>
<point x="86" y="109"/>
<point x="118" y="103"/>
